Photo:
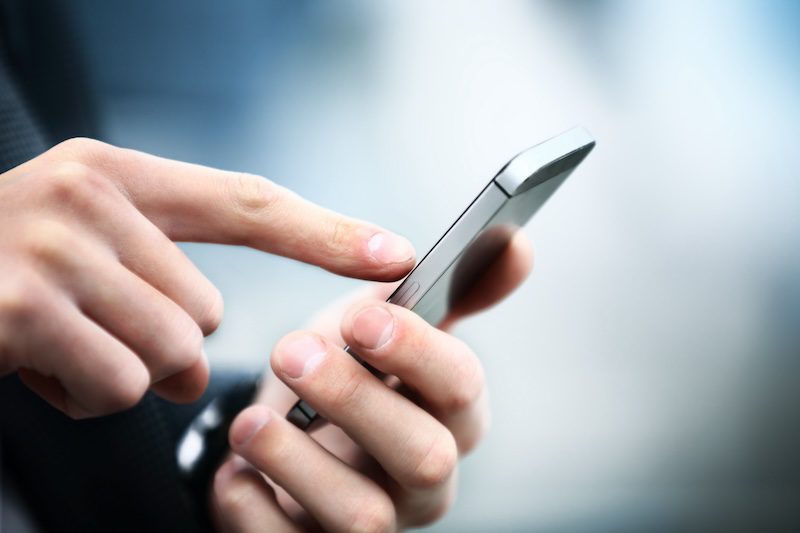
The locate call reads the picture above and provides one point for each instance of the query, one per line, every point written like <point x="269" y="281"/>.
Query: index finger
<point x="191" y="202"/>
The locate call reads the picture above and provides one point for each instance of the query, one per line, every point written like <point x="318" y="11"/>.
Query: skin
<point x="97" y="303"/>
<point x="389" y="458"/>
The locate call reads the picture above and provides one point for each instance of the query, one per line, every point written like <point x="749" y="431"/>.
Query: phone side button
<point x="399" y="293"/>
<point x="403" y="301"/>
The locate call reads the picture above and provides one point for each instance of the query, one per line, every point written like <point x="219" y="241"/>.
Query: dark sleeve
<point x="116" y="473"/>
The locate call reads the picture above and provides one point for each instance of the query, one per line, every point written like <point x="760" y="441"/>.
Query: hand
<point x="96" y="302"/>
<point x="388" y="460"/>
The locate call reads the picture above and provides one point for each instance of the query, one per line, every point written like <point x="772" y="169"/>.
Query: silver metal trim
<point x="480" y="234"/>
<point x="526" y="164"/>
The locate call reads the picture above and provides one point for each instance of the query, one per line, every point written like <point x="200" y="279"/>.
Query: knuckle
<point x="23" y="301"/>
<point x="439" y="509"/>
<point x="70" y="174"/>
<point x="76" y="185"/>
<point x="347" y="394"/>
<point x="281" y="452"/>
<point x="19" y="300"/>
<point x="342" y="229"/>
<point x="436" y="463"/>
<point x="341" y="236"/>
<point x="49" y="241"/>
<point x="375" y="516"/>
<point x="81" y="149"/>
<point x="250" y="195"/>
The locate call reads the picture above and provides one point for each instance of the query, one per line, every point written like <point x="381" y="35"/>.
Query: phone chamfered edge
<point x="565" y="150"/>
<point x="511" y="179"/>
<point x="522" y="171"/>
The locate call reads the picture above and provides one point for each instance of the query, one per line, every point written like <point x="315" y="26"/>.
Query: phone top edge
<point x="528" y="163"/>
<point x="528" y="169"/>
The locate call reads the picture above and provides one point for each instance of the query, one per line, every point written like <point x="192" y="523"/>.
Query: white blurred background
<point x="646" y="376"/>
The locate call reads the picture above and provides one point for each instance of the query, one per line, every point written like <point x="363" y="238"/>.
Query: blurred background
<point x="647" y="375"/>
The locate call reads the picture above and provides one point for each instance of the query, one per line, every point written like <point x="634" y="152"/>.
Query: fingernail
<point x="373" y="327"/>
<point x="390" y="248"/>
<point x="301" y="355"/>
<point x="244" y="429"/>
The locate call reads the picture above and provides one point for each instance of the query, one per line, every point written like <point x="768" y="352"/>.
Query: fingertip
<point x="369" y="270"/>
<point x="247" y="424"/>
<point x="386" y="248"/>
<point x="186" y="386"/>
<point x="522" y="253"/>
<point x="502" y="277"/>
<point x="227" y="471"/>
<point x="297" y="354"/>
<point x="47" y="387"/>
<point x="240" y="492"/>
<point x="369" y="325"/>
<point x="51" y="391"/>
<point x="346" y="322"/>
<point x="75" y="411"/>
<point x="244" y="501"/>
<point x="390" y="272"/>
<point x="211" y="319"/>
<point x="376" y="254"/>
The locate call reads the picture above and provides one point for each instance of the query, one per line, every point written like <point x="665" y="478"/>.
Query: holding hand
<point x="388" y="460"/>
<point x="97" y="304"/>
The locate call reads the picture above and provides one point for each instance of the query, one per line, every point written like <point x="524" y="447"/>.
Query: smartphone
<point x="480" y="234"/>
